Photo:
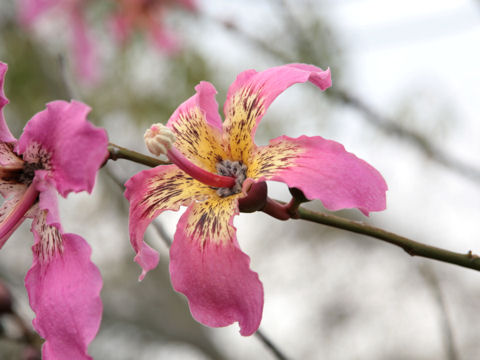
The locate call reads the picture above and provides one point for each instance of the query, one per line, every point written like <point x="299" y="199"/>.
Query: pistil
<point x="160" y="139"/>
<point x="206" y="177"/>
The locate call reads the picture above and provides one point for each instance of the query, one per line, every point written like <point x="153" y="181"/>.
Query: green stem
<point x="413" y="248"/>
<point x="118" y="152"/>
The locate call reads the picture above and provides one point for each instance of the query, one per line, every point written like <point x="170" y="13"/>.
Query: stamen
<point x="236" y="169"/>
<point x="51" y="242"/>
<point x="159" y="140"/>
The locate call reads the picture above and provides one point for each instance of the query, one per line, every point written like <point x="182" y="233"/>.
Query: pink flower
<point x="59" y="151"/>
<point x="214" y="166"/>
<point x="84" y="53"/>
<point x="147" y="16"/>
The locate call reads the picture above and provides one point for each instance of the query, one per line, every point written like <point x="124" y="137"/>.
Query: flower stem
<point x="118" y="152"/>
<point x="413" y="248"/>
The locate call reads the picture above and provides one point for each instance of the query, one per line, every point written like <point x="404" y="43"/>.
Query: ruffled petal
<point x="5" y="134"/>
<point x="323" y="170"/>
<point x="252" y="93"/>
<point x="64" y="290"/>
<point x="197" y="127"/>
<point x="151" y="192"/>
<point x="72" y="147"/>
<point x="208" y="267"/>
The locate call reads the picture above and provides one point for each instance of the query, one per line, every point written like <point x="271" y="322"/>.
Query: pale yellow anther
<point x="159" y="139"/>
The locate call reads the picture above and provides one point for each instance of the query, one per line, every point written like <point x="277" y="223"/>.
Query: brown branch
<point x="411" y="247"/>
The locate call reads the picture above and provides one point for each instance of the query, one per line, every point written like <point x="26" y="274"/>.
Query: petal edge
<point x="323" y="170"/>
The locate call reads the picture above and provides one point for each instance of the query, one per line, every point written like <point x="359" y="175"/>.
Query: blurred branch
<point x="156" y="224"/>
<point x="268" y="343"/>
<point x="413" y="248"/>
<point x="70" y="89"/>
<point x="422" y="143"/>
<point x="162" y="233"/>
<point x="449" y="340"/>
<point x="31" y="341"/>
<point x="373" y="117"/>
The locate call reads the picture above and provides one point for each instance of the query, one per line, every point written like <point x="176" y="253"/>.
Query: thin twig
<point x="119" y="152"/>
<point x="70" y="89"/>
<point x="268" y="343"/>
<point x="156" y="223"/>
<point x="31" y="340"/>
<point x="413" y="248"/>
<point x="390" y="127"/>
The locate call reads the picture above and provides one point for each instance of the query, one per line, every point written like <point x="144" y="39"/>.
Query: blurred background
<point x="405" y="98"/>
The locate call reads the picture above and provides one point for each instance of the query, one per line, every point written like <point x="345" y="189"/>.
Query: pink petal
<point x="64" y="290"/>
<point x="76" y="148"/>
<point x="205" y="101"/>
<point x="151" y="192"/>
<point x="48" y="198"/>
<point x="197" y="127"/>
<point x="83" y="49"/>
<point x="253" y="92"/>
<point x="323" y="170"/>
<point x="208" y="267"/>
<point x="5" y="134"/>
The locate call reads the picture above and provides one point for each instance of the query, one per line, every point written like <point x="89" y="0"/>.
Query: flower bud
<point x="159" y="139"/>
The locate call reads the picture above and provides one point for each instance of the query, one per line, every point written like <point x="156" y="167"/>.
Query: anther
<point x="159" y="139"/>
<point x="235" y="169"/>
